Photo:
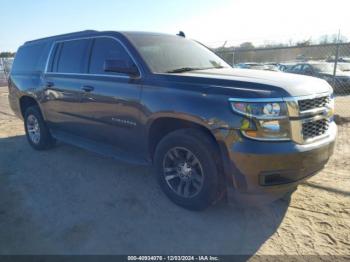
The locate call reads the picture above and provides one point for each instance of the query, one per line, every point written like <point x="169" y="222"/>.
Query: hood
<point x="279" y="83"/>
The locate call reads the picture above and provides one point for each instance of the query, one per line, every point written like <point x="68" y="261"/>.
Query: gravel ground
<point x="69" y="201"/>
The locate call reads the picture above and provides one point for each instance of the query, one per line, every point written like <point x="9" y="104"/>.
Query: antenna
<point x="182" y="34"/>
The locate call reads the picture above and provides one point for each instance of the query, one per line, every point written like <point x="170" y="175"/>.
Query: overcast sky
<point x="211" y="22"/>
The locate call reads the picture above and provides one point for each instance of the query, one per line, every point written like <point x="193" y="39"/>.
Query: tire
<point x="38" y="135"/>
<point x="176" y="168"/>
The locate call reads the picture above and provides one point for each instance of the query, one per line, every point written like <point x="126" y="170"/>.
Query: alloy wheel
<point x="33" y="129"/>
<point x="183" y="172"/>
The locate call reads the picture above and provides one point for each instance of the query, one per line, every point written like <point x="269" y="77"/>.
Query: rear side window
<point x="106" y="48"/>
<point x="71" y="56"/>
<point x="31" y="58"/>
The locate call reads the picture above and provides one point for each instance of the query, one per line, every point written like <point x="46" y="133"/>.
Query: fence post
<point x="336" y="62"/>
<point x="2" y="64"/>
<point x="233" y="57"/>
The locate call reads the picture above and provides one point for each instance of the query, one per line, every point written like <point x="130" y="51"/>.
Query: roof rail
<point x="63" y="35"/>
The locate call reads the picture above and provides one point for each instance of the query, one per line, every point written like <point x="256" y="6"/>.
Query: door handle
<point x="50" y="84"/>
<point x="88" y="88"/>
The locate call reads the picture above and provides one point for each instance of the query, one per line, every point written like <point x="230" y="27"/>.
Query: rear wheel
<point x="38" y="135"/>
<point x="187" y="170"/>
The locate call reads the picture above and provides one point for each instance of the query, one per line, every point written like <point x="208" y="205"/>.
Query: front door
<point x="112" y="101"/>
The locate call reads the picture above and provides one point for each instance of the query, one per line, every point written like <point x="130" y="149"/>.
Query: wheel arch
<point x="27" y="101"/>
<point x="165" y="124"/>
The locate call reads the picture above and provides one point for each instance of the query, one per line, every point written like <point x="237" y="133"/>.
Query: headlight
<point x="261" y="110"/>
<point x="270" y="119"/>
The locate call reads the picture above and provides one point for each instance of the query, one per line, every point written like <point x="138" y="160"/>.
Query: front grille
<point x="315" y="128"/>
<point x="308" y="104"/>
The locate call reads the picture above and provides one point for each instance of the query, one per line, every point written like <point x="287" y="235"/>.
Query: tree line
<point x="324" y="39"/>
<point x="7" y="54"/>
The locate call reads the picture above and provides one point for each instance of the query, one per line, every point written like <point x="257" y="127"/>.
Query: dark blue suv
<point x="208" y="129"/>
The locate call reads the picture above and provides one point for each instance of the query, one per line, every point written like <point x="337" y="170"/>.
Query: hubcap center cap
<point x="185" y="170"/>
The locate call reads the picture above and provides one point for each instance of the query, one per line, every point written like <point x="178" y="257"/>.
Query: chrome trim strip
<point x="314" y="111"/>
<point x="292" y="108"/>
<point x="76" y="74"/>
<point x="265" y="139"/>
<point x="91" y="37"/>
<point x="312" y="96"/>
<point x="296" y="131"/>
<point x="256" y="100"/>
<point x="48" y="57"/>
<point x="312" y="119"/>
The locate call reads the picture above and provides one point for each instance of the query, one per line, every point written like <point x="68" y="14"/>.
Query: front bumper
<point x="276" y="168"/>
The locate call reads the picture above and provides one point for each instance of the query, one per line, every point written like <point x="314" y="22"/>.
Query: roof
<point x="80" y="33"/>
<point x="93" y="32"/>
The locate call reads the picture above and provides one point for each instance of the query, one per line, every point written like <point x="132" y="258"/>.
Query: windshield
<point x="174" y="54"/>
<point x="323" y="67"/>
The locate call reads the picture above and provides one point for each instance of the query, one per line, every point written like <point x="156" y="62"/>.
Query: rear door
<point x="64" y="80"/>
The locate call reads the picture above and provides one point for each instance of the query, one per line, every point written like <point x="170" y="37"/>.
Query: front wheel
<point x="187" y="168"/>
<point x="38" y="135"/>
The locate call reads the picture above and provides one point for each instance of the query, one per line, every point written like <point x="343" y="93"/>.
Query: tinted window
<point x="31" y="57"/>
<point x="73" y="56"/>
<point x="307" y="68"/>
<point x="297" y="68"/>
<point x="166" y="53"/>
<point x="103" y="49"/>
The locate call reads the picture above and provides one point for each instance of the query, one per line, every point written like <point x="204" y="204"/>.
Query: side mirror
<point x="120" y="66"/>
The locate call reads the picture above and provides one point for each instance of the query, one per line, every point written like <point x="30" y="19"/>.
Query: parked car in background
<point x="340" y="59"/>
<point x="345" y="67"/>
<point x="271" y="67"/>
<point x="285" y="66"/>
<point x="340" y="82"/>
<point x="256" y="66"/>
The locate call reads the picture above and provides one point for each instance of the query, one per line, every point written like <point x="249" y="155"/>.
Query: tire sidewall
<point x="207" y="194"/>
<point x="44" y="141"/>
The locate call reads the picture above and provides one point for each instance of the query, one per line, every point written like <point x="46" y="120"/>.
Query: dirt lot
<point x="69" y="201"/>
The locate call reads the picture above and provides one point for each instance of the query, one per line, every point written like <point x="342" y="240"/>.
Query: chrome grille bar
<point x="309" y="117"/>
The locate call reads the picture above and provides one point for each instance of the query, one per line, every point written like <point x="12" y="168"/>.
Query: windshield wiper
<point x="188" y="69"/>
<point x="183" y="69"/>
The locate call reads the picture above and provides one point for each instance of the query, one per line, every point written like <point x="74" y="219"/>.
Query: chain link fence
<point x="330" y="62"/>
<point x="5" y="67"/>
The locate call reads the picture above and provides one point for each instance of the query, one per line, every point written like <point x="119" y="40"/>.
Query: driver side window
<point x="106" y="49"/>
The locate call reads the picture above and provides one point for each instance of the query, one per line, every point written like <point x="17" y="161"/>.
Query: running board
<point x="99" y="148"/>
